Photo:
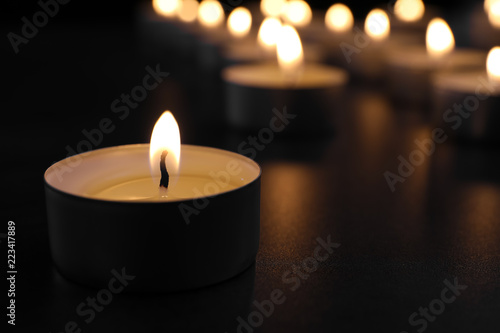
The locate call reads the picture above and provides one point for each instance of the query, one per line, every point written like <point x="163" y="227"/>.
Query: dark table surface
<point x="399" y="250"/>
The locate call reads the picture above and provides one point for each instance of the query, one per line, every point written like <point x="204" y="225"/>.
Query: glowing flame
<point x="494" y="13"/>
<point x="289" y="50"/>
<point x="239" y="22"/>
<point x="210" y="13"/>
<point x="165" y="137"/>
<point x="339" y="18"/>
<point x="487" y="4"/>
<point x="188" y="10"/>
<point x="272" y="8"/>
<point x="439" y="38"/>
<point x="409" y="10"/>
<point x="297" y="13"/>
<point x="493" y="64"/>
<point x="377" y="25"/>
<point x="269" y="33"/>
<point x="167" y="8"/>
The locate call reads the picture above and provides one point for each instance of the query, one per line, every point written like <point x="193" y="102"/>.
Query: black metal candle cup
<point x="466" y="106"/>
<point x="166" y="246"/>
<point x="255" y="91"/>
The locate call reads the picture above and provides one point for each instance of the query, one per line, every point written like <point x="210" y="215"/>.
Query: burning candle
<point x="485" y="24"/>
<point x="411" y="17"/>
<point x="367" y="60"/>
<point x="156" y="209"/>
<point x="263" y="46"/>
<point x="411" y="68"/>
<point x="465" y="104"/>
<point x="306" y="89"/>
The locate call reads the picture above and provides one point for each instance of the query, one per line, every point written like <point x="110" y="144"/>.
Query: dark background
<point x="397" y="248"/>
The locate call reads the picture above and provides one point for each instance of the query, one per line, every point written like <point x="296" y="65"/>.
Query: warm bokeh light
<point x="188" y="10"/>
<point x="493" y="64"/>
<point x="272" y="8"/>
<point x="409" y="10"/>
<point x="487" y="4"/>
<point x="165" y="136"/>
<point x="339" y="18"/>
<point x="297" y="13"/>
<point x="289" y="50"/>
<point x="377" y="25"/>
<point x="239" y="22"/>
<point x="167" y="8"/>
<point x="210" y="13"/>
<point x="494" y="13"/>
<point x="269" y="33"/>
<point x="439" y="38"/>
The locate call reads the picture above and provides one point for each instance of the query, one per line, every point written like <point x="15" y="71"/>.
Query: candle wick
<point x="163" y="169"/>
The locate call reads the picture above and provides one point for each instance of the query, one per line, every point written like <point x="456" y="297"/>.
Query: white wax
<point x="122" y="174"/>
<point x="144" y="189"/>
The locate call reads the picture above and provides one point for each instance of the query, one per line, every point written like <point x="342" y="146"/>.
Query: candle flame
<point x="269" y="33"/>
<point x="409" y="10"/>
<point x="272" y="8"/>
<point x="493" y="64"/>
<point x="439" y="38"/>
<point x="494" y="13"/>
<point x="339" y="18"/>
<point x="297" y="13"/>
<point x="167" y="8"/>
<point x="487" y="4"/>
<point x="188" y="11"/>
<point x="165" y="137"/>
<point x="210" y="13"/>
<point x="239" y="22"/>
<point x="377" y="25"/>
<point x="289" y="50"/>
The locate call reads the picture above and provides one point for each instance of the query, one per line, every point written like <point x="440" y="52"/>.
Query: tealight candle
<point x="307" y="90"/>
<point x="368" y="61"/>
<point x="485" y="24"/>
<point x="411" y="17"/>
<point x="410" y="69"/>
<point x="167" y="25"/>
<point x="466" y="104"/>
<point x="263" y="46"/>
<point x="175" y="216"/>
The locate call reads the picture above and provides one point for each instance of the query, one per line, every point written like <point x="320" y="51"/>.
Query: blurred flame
<point x="493" y="64"/>
<point x="210" y="13"/>
<point x="272" y="8"/>
<point x="377" y="25"/>
<point x="188" y="11"/>
<point x="409" y="10"/>
<point x="494" y="13"/>
<point x="289" y="50"/>
<point x="297" y="13"/>
<point x="165" y="136"/>
<point x="167" y="8"/>
<point x="439" y="38"/>
<point x="239" y="22"/>
<point x="269" y="33"/>
<point x="339" y="18"/>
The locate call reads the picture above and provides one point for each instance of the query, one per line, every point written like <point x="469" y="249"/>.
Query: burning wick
<point x="163" y="169"/>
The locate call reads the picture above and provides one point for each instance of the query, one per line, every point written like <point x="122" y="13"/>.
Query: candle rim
<point x="84" y="197"/>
